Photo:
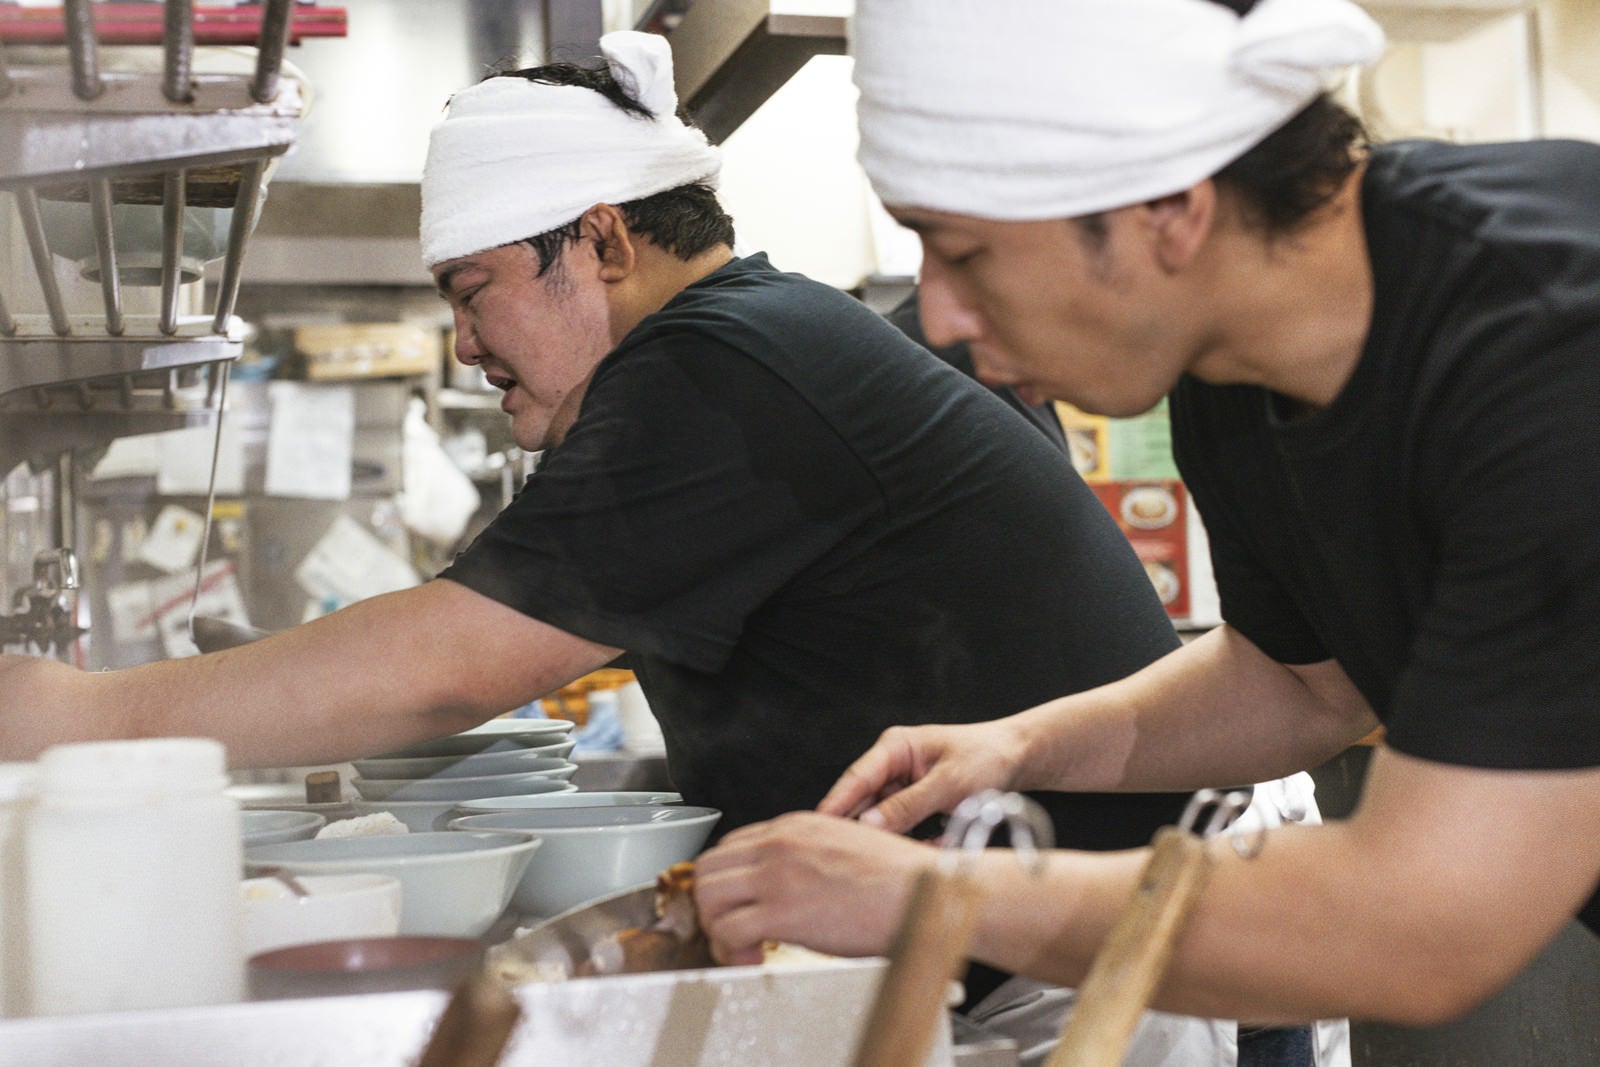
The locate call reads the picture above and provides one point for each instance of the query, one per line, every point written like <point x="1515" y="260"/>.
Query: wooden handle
<point x="322" y="787"/>
<point x="1135" y="955"/>
<point x="928" y="951"/>
<point x="475" y="1025"/>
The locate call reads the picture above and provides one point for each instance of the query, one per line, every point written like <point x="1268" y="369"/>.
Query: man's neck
<point x="660" y="276"/>
<point x="1294" y="310"/>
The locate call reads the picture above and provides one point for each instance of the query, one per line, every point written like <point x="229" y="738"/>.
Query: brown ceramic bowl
<point x="363" y="965"/>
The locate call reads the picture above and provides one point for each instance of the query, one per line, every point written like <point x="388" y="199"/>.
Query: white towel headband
<point x="1035" y="109"/>
<point x="513" y="158"/>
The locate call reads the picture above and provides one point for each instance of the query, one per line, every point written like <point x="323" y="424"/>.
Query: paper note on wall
<point x="174" y="541"/>
<point x="141" y="611"/>
<point x="310" y="440"/>
<point x="218" y="598"/>
<point x="185" y="460"/>
<point x="350" y="563"/>
<point x="138" y="456"/>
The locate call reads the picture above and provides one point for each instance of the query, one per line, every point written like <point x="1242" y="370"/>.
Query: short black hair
<point x="1299" y="166"/>
<point x="686" y="220"/>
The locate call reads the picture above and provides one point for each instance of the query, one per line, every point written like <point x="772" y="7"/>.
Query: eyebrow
<point x="914" y="224"/>
<point x="445" y="282"/>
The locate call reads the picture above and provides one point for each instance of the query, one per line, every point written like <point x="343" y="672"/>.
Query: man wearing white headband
<point x="780" y="507"/>
<point x="1384" y="368"/>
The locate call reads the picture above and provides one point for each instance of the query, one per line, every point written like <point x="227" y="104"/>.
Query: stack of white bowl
<point x="422" y="783"/>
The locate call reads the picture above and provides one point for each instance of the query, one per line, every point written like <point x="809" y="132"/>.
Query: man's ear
<point x="1180" y="223"/>
<point x="613" y="244"/>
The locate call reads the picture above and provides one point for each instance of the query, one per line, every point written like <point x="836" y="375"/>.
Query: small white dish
<point x="264" y="826"/>
<point x="495" y="735"/>
<point x="422" y="816"/>
<point x="492" y="785"/>
<point x="575" y="798"/>
<point x="470" y="765"/>
<point x="334" y="906"/>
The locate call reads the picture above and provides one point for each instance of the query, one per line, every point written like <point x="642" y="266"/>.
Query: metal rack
<point x="73" y="132"/>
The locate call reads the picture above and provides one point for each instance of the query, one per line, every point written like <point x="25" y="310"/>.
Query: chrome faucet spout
<point x="45" y="615"/>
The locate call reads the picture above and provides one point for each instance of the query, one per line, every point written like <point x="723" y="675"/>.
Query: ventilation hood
<point x="730" y="56"/>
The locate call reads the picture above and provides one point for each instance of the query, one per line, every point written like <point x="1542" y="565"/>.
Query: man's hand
<point x="916" y="771"/>
<point x="828" y="884"/>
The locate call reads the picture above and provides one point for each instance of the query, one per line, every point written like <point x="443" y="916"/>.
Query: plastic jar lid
<point x="153" y="767"/>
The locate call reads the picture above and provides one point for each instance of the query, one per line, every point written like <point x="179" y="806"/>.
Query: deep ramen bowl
<point x="591" y="852"/>
<point x="452" y="884"/>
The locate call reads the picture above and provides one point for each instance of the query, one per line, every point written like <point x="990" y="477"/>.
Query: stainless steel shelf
<point x="72" y="133"/>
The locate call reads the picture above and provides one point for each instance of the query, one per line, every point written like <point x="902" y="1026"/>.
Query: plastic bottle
<point x="133" y="861"/>
<point x="16" y="780"/>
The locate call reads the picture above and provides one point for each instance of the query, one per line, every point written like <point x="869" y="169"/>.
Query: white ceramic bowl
<point x="469" y="765"/>
<point x="261" y="826"/>
<point x="335" y="906"/>
<point x="590" y="852"/>
<point x="489" y="785"/>
<point x="421" y="816"/>
<point x="576" y="798"/>
<point x="494" y="735"/>
<point x="452" y="884"/>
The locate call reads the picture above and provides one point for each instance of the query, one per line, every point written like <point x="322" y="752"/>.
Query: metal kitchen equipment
<point x="107" y="141"/>
<point x="931" y="943"/>
<point x="1135" y="955"/>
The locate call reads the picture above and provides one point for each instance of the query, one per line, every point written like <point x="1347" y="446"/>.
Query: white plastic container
<point x="16" y="780"/>
<point x="133" y="862"/>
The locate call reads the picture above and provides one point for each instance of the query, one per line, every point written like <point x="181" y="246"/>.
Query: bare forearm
<point x="377" y="675"/>
<point x="1215" y="712"/>
<point x="1280" y="958"/>
<point x="1377" y="918"/>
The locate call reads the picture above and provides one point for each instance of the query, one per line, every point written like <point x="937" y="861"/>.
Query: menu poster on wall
<point x="1152" y="514"/>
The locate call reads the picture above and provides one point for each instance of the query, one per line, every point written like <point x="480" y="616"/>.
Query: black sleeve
<point x="693" y="484"/>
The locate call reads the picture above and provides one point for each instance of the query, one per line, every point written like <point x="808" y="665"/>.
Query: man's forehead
<point x="451" y="271"/>
<point x="929" y="223"/>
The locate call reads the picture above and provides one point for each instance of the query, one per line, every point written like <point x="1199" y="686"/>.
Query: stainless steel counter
<point x="731" y="1017"/>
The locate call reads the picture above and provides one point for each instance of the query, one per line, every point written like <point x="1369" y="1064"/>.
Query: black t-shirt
<point x="1437" y="528"/>
<point x="805" y="529"/>
<point x="908" y="317"/>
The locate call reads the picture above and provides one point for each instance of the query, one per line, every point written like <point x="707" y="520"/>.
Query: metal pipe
<point x="275" y="24"/>
<point x="1535" y="72"/>
<point x="106" y="246"/>
<point x="66" y="508"/>
<point x="178" y="41"/>
<point x="6" y="84"/>
<point x="86" y="83"/>
<point x="8" y="325"/>
<point x="33" y="225"/>
<point x="171" y="248"/>
<point x="244" y="214"/>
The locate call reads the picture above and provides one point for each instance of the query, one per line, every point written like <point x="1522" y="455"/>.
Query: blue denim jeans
<point x="1275" y="1046"/>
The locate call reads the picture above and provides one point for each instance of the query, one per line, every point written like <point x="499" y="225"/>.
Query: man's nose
<point x="468" y="351"/>
<point x="946" y="318"/>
